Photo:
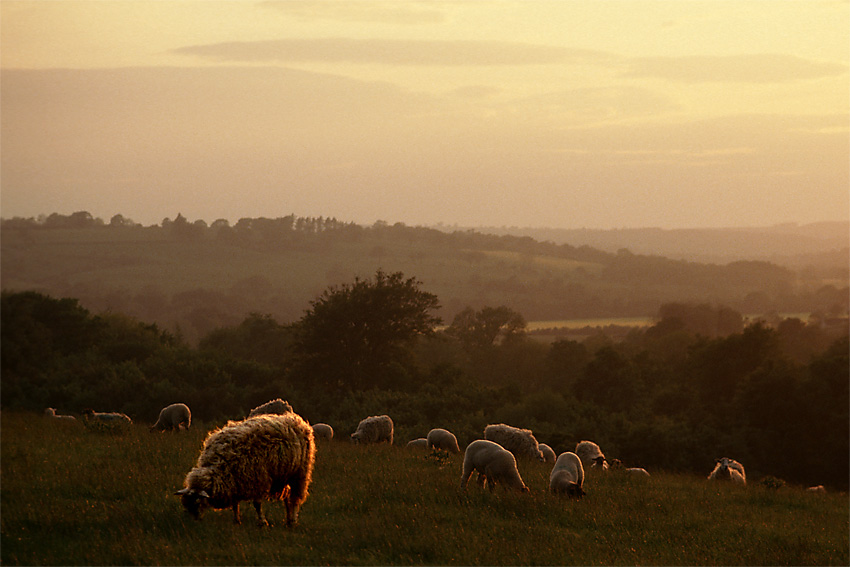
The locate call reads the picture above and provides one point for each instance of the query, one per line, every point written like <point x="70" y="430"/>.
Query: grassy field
<point x="73" y="497"/>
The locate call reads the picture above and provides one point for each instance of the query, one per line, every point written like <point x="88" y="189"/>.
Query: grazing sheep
<point x="96" y="419"/>
<point x="323" y="431"/>
<point x="51" y="413"/>
<point x="728" y="469"/>
<point x="374" y="429"/>
<point x="591" y="455"/>
<point x="548" y="453"/>
<point x="520" y="442"/>
<point x="420" y="443"/>
<point x="494" y="464"/>
<point x="172" y="417"/>
<point x="637" y="472"/>
<point x="819" y="489"/>
<point x="266" y="457"/>
<point x="442" y="439"/>
<point x="277" y="406"/>
<point x="567" y="476"/>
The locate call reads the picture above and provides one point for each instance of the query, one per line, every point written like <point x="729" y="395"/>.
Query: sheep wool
<point x="105" y="421"/>
<point x="277" y="406"/>
<point x="520" y="442"/>
<point x="494" y="464"/>
<point x="567" y="476"/>
<point x="323" y="431"/>
<point x="591" y="455"/>
<point x="51" y="414"/>
<point x="420" y="443"/>
<point x="548" y="453"/>
<point x="267" y="457"/>
<point x="172" y="418"/>
<point x="442" y="439"/>
<point x="728" y="469"/>
<point x="374" y="429"/>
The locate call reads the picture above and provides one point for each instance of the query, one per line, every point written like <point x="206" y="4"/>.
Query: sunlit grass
<point x="73" y="497"/>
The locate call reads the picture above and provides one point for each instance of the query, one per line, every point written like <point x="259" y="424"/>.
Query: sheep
<point x="637" y="472"/>
<point x="172" y="418"/>
<point x="520" y="442"/>
<point x="96" y="419"/>
<point x="323" y="431"/>
<point x="728" y="469"/>
<point x="51" y="413"/>
<point x="548" y="453"/>
<point x="567" y="476"/>
<point x="421" y="443"/>
<point x="819" y="489"/>
<point x="442" y="439"/>
<point x="374" y="429"/>
<point x="277" y="406"/>
<point x="495" y="465"/>
<point x="591" y="455"/>
<point x="266" y="457"/>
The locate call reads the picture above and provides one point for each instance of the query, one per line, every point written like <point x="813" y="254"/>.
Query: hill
<point x="197" y="277"/>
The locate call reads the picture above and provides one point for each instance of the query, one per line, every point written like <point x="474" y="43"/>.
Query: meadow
<point x="75" y="497"/>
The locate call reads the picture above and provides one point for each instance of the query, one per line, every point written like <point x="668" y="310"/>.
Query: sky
<point x="561" y="114"/>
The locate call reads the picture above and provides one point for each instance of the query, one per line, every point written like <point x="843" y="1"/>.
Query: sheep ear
<point x="203" y="494"/>
<point x="181" y="492"/>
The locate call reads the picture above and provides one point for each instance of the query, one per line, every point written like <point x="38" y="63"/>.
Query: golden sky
<point x="562" y="113"/>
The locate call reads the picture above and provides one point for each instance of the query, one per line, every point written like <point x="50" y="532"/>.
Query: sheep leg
<point x="258" y="506"/>
<point x="464" y="479"/>
<point x="237" y="517"/>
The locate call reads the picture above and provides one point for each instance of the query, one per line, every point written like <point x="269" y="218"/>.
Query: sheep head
<point x="195" y="501"/>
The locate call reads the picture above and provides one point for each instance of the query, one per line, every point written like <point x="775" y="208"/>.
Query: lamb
<point x="51" y="413"/>
<point x="277" y="406"/>
<point x="548" y="453"/>
<point x="728" y="469"/>
<point x="172" y="418"/>
<point x="567" y="476"/>
<point x="323" y="431"/>
<point x="374" y="429"/>
<point x="421" y="443"/>
<point x="591" y="455"/>
<point x="266" y="457"/>
<point x="495" y="465"/>
<point x="106" y="420"/>
<point x="520" y="442"/>
<point x="442" y="439"/>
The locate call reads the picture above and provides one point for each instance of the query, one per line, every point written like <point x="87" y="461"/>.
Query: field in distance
<point x="74" y="497"/>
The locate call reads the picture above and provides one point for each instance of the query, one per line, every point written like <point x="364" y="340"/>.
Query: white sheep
<point x="591" y="455"/>
<point x="266" y="457"/>
<point x="728" y="469"/>
<point x="637" y="472"/>
<point x="420" y="443"/>
<point x="374" y="429"/>
<point x="172" y="418"/>
<point x="442" y="439"/>
<point x="323" y="431"/>
<point x="819" y="489"/>
<point x="96" y="419"/>
<point x="277" y="406"/>
<point x="520" y="442"/>
<point x="51" y="413"/>
<point x="548" y="454"/>
<point x="494" y="464"/>
<point x="567" y="476"/>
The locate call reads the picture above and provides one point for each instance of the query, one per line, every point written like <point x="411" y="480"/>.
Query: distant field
<point x="597" y="322"/>
<point x="72" y="497"/>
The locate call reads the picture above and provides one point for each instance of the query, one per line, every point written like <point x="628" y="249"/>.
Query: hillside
<point x="198" y="277"/>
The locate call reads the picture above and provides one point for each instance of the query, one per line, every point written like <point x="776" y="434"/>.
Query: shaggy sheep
<point x="277" y="406"/>
<point x="728" y="469"/>
<point x="494" y="464"/>
<point x="172" y="417"/>
<point x="420" y="443"/>
<point x="323" y="431"/>
<point x="520" y="442"/>
<point x="548" y="453"/>
<point x="374" y="429"/>
<point x="442" y="439"/>
<point x="591" y="455"/>
<point x="51" y="413"/>
<point x="567" y="476"/>
<point x="266" y="457"/>
<point x="96" y="419"/>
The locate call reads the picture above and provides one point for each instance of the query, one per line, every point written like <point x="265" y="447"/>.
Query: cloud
<point x="757" y="68"/>
<point x="388" y="12"/>
<point x="393" y="52"/>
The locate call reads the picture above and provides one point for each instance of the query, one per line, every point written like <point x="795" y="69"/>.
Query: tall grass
<point x="74" y="497"/>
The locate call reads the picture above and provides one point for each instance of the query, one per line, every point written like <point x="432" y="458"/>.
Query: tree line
<point x="673" y="396"/>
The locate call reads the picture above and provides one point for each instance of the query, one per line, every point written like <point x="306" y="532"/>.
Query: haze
<point x="559" y="114"/>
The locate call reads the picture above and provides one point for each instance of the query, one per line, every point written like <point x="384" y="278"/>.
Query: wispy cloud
<point x="386" y="12"/>
<point x="757" y="68"/>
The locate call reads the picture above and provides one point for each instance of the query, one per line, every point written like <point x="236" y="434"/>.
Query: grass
<point x="74" y="497"/>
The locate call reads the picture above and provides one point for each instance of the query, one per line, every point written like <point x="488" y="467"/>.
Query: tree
<point x="482" y="329"/>
<point x="358" y="336"/>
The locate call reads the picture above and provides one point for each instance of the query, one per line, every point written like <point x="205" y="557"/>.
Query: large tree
<point x="357" y="336"/>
